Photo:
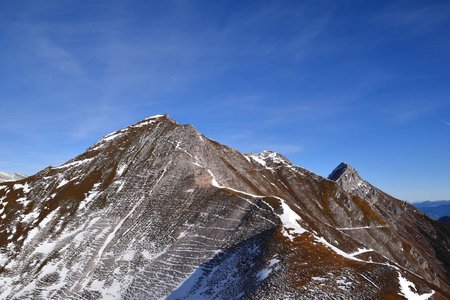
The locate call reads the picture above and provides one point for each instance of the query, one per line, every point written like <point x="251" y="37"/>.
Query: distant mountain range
<point x="159" y="211"/>
<point x="4" y="176"/>
<point x="434" y="209"/>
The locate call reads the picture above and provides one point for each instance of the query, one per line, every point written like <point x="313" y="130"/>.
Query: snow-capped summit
<point x="4" y="176"/>
<point x="144" y="123"/>
<point x="158" y="211"/>
<point x="153" y="119"/>
<point x="274" y="157"/>
<point x="269" y="159"/>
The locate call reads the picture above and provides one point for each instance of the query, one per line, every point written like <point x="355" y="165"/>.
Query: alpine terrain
<point x="4" y="176"/>
<point x="159" y="211"/>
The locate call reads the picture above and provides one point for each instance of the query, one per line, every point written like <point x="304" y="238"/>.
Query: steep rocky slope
<point x="157" y="210"/>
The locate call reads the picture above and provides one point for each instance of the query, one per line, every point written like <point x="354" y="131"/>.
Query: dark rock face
<point x="157" y="210"/>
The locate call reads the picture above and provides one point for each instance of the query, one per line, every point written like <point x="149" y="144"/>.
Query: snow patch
<point x="147" y="255"/>
<point x="23" y="201"/>
<point x="89" y="197"/>
<point x="28" y="218"/>
<point x="343" y="284"/>
<point x="214" y="182"/>
<point x="3" y="259"/>
<point x="154" y="117"/>
<point x="144" y="123"/>
<point x="115" y="228"/>
<point x="182" y="235"/>
<point x="290" y="219"/>
<point x="121" y="169"/>
<point x="111" y="136"/>
<point x="74" y="163"/>
<point x="25" y="187"/>
<point x="407" y="290"/>
<point x="62" y="183"/>
<point x="122" y="183"/>
<point x="337" y="250"/>
<point x="360" y="251"/>
<point x="321" y="279"/>
<point x="45" y="247"/>
<point x="259" y="160"/>
<point x="41" y="226"/>
<point x="129" y="255"/>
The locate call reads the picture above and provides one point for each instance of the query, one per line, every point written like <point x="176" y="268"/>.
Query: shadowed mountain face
<point x="157" y="210"/>
<point x="445" y="220"/>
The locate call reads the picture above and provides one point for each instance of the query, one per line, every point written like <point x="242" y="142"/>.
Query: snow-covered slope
<point x="158" y="211"/>
<point x="4" y="176"/>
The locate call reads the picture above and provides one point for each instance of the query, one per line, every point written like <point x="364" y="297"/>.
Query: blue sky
<point x="365" y="82"/>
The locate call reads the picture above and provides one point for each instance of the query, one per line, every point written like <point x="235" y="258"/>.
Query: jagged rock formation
<point x="4" y="176"/>
<point x="157" y="210"/>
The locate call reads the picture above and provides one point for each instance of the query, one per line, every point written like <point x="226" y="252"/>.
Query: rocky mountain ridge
<point x="157" y="210"/>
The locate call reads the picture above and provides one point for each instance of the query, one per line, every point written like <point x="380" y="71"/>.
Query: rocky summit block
<point x="159" y="211"/>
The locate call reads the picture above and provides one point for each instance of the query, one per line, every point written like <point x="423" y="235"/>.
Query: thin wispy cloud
<point x="58" y="57"/>
<point x="416" y="18"/>
<point x="445" y="122"/>
<point x="410" y="111"/>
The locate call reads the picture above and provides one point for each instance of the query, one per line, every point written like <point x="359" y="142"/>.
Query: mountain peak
<point x="156" y="210"/>
<point x="162" y="117"/>
<point x="342" y="170"/>
<point x="269" y="159"/>
<point x="153" y="119"/>
<point x="350" y="180"/>
<point x="157" y="117"/>
<point x="136" y="127"/>
<point x="275" y="156"/>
